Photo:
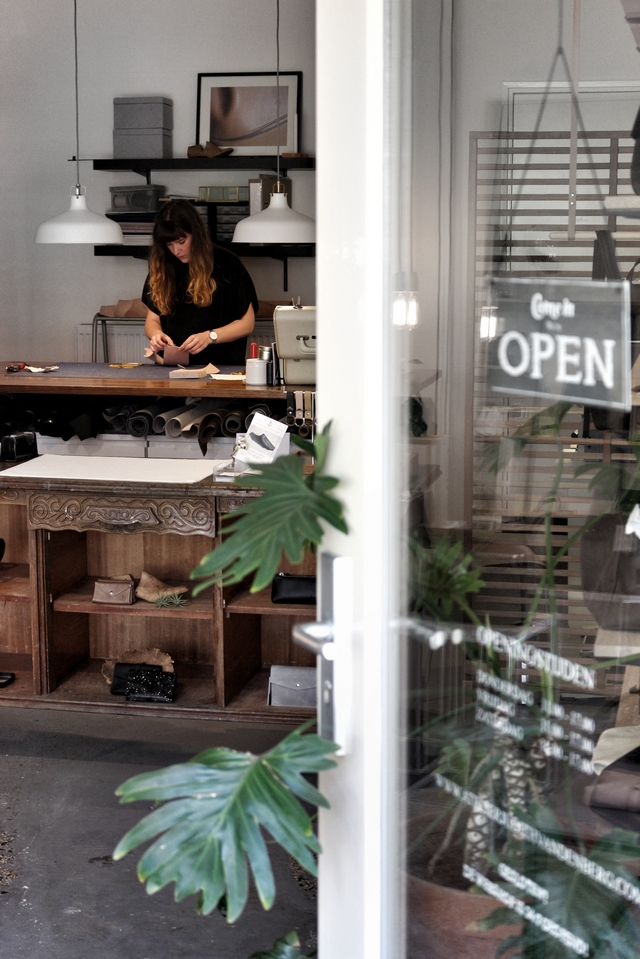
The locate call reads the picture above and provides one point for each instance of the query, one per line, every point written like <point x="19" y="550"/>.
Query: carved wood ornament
<point x="120" y="514"/>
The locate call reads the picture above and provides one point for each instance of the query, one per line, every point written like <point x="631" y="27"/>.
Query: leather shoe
<point x="209" y="152"/>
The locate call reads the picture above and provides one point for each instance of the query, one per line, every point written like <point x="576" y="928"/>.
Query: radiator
<point x="127" y="341"/>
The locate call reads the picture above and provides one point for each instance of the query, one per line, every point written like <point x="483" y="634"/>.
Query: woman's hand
<point x="159" y="340"/>
<point x="197" y="342"/>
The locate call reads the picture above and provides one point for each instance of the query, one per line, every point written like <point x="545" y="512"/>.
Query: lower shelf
<point x="86" y="689"/>
<point x="79" y="600"/>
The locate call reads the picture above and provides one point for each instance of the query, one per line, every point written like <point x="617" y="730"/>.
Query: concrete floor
<point x="59" y="814"/>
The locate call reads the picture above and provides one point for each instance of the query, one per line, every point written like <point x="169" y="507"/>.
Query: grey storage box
<point x="142" y="144"/>
<point x="293" y="686"/>
<point x="142" y="113"/>
<point x="136" y="199"/>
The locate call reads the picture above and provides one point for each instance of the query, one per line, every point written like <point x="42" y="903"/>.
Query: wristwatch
<point x="213" y="335"/>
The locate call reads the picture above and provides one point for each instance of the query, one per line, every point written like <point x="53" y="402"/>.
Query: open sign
<point x="561" y="339"/>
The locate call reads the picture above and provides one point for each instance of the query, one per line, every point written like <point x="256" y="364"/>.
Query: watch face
<point x="213" y="335"/>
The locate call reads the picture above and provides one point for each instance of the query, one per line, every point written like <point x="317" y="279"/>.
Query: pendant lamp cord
<point x="75" y="48"/>
<point x="277" y="84"/>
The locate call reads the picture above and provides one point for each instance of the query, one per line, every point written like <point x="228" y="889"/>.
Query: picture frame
<point x="239" y="110"/>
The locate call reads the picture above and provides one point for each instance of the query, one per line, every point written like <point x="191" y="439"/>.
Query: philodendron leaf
<point x="285" y="519"/>
<point x="286" y="948"/>
<point x="215" y="810"/>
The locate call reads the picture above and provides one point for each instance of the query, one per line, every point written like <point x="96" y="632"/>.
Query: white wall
<point x="125" y="47"/>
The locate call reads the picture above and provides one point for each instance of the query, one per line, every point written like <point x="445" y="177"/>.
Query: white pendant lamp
<point x="278" y="223"/>
<point x="79" y="224"/>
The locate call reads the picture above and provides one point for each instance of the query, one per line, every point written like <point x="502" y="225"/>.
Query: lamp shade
<point x="79" y="225"/>
<point x="277" y="224"/>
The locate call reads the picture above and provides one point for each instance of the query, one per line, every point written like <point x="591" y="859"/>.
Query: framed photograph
<point x="241" y="110"/>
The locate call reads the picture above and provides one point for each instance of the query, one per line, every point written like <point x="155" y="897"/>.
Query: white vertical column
<point x="357" y="876"/>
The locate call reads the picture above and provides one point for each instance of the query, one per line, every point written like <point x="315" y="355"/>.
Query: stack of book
<point x="136" y="227"/>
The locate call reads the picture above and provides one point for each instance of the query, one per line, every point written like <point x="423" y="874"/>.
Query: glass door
<point x="477" y="359"/>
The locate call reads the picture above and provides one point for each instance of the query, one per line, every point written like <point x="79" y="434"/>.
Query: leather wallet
<point x="121" y="676"/>
<point x="289" y="588"/>
<point x="118" y="591"/>
<point x="146" y="685"/>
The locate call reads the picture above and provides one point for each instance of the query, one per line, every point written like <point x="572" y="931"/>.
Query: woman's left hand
<point x="197" y="342"/>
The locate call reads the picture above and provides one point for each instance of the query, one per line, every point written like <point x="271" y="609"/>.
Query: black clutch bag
<point x="18" y="446"/>
<point x="146" y="685"/>
<point x="289" y="588"/>
<point x="121" y="676"/>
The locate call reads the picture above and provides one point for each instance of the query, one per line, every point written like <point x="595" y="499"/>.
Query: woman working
<point x="198" y="302"/>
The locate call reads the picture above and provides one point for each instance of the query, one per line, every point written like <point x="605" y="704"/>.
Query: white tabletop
<point x="115" y="469"/>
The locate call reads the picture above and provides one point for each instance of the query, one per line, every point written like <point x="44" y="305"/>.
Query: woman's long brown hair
<point x="178" y="219"/>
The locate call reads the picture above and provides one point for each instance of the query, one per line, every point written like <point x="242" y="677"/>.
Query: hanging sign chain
<point x="577" y="122"/>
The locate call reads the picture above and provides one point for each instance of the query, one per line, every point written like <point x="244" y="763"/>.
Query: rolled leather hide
<point x="182" y="421"/>
<point x="161" y="420"/>
<point x="140" y="423"/>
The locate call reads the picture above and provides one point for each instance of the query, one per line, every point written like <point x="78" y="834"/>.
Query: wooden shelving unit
<point x="144" y="167"/>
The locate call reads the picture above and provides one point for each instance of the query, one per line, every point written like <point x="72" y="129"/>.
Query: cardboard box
<point x="134" y="113"/>
<point x="142" y="144"/>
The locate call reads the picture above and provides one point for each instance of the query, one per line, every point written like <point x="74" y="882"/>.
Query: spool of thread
<point x="256" y="371"/>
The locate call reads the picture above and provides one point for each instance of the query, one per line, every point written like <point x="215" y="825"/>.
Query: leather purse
<point x="118" y="591"/>
<point x="121" y="676"/>
<point x="146" y="685"/>
<point x="290" y="588"/>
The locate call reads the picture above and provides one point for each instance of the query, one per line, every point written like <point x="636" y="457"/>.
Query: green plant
<point x="216" y="807"/>
<point x="286" y="948"/>
<point x="442" y="580"/>
<point x="171" y="601"/>
<point x="598" y="917"/>
<point x="285" y="519"/>
<point x="493" y="782"/>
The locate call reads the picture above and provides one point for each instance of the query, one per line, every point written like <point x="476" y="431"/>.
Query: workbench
<point x="62" y="534"/>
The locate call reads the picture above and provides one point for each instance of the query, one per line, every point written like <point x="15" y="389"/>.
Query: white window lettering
<point x="593" y="361"/>
<point x="565" y="359"/>
<point x="513" y="336"/>
<point x="542" y="348"/>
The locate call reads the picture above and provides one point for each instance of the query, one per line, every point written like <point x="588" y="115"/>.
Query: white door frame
<point x="358" y="897"/>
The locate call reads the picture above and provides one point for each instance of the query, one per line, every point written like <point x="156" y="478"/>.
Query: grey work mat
<point x="148" y="371"/>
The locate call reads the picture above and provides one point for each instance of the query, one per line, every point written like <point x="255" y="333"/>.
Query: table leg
<point x="105" y="344"/>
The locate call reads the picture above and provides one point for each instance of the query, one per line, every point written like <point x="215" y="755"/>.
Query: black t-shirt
<point x="233" y="296"/>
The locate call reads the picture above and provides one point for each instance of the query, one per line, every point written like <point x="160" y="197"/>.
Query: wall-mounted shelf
<point x="275" y="251"/>
<point x="145" y="166"/>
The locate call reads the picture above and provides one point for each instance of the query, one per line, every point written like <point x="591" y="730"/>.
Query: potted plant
<point x="209" y="834"/>
<point x="534" y="885"/>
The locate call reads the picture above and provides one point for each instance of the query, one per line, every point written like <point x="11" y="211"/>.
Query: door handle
<point x="329" y="640"/>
